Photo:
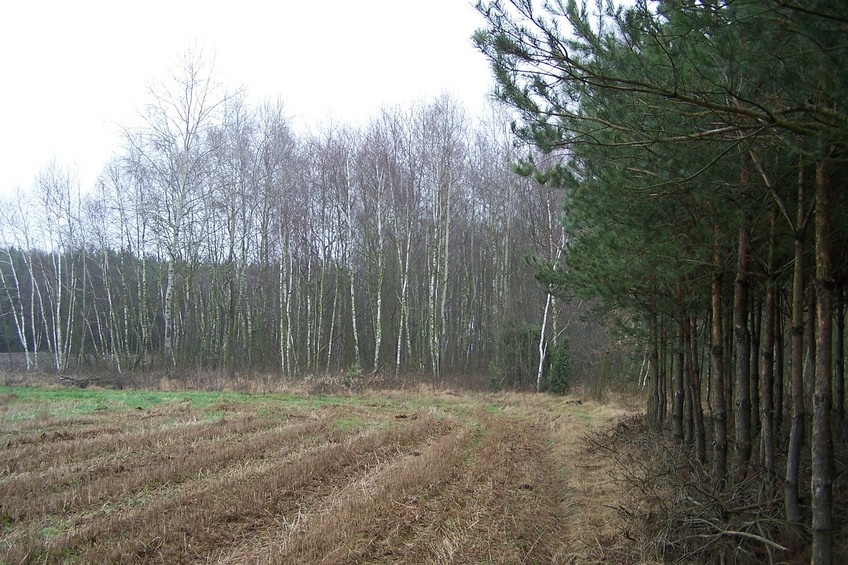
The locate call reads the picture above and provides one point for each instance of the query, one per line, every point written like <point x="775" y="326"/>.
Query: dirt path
<point x="382" y="479"/>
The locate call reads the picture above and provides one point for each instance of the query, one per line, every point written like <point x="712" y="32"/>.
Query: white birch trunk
<point x="351" y="268"/>
<point x="167" y="314"/>
<point x="17" y="307"/>
<point x="378" y="316"/>
<point x="543" y="349"/>
<point x="331" y="338"/>
<point x="403" y="332"/>
<point x="444" y="273"/>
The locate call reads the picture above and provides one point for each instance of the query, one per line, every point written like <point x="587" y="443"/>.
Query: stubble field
<point x="98" y="476"/>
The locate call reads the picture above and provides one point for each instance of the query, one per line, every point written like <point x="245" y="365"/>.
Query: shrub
<point x="559" y="372"/>
<point x="496" y="376"/>
<point x="352" y="376"/>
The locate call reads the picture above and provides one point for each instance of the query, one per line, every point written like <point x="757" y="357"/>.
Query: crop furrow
<point x="101" y="501"/>
<point x="52" y="449"/>
<point x="352" y="526"/>
<point x="195" y="525"/>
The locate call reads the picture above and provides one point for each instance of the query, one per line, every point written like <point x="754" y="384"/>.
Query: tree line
<point x="219" y="238"/>
<point x="703" y="149"/>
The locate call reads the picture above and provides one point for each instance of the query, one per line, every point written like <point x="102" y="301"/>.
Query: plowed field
<point x="126" y="476"/>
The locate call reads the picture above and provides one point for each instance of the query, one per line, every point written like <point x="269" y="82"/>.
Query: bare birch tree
<point x="172" y="147"/>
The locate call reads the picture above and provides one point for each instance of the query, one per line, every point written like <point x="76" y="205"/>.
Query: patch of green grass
<point x="494" y="408"/>
<point x="26" y="403"/>
<point x="427" y="401"/>
<point x="274" y="413"/>
<point x="57" y="401"/>
<point x="350" y="423"/>
<point x="53" y="528"/>
<point x="583" y="414"/>
<point x="32" y="403"/>
<point x="479" y="432"/>
<point x="6" y="522"/>
<point x="214" y="416"/>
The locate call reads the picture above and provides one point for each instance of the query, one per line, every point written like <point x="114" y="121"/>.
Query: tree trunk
<point x="796" y="436"/>
<point x="778" y="367"/>
<point x="378" y="291"/>
<point x="822" y="444"/>
<point x="663" y="394"/>
<point x="285" y="304"/>
<point x="403" y="326"/>
<point x="677" y="410"/>
<point x="543" y="348"/>
<point x="756" y="317"/>
<point x="767" y="408"/>
<point x="727" y="323"/>
<point x="695" y="392"/>
<point x="743" y="350"/>
<point x="443" y="271"/>
<point x="333" y="313"/>
<point x="810" y="340"/>
<point x="653" y="395"/>
<point x="167" y="314"/>
<point x="351" y="271"/>
<point x="717" y="351"/>
<point x="767" y="333"/>
<point x="839" y="355"/>
<point x="17" y="307"/>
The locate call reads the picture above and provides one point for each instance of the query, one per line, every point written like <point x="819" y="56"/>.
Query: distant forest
<point x="218" y="239"/>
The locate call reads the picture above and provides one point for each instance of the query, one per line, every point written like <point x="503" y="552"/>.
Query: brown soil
<point x="387" y="479"/>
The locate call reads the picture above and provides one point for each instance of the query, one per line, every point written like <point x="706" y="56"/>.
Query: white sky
<point x="72" y="72"/>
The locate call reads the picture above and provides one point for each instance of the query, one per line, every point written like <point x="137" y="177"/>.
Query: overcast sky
<point x="73" y="72"/>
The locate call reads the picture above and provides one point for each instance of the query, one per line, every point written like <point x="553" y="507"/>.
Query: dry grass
<point x="405" y="476"/>
<point x="350" y="524"/>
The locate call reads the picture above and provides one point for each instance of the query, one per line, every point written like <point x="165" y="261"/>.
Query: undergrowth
<point x="673" y="510"/>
